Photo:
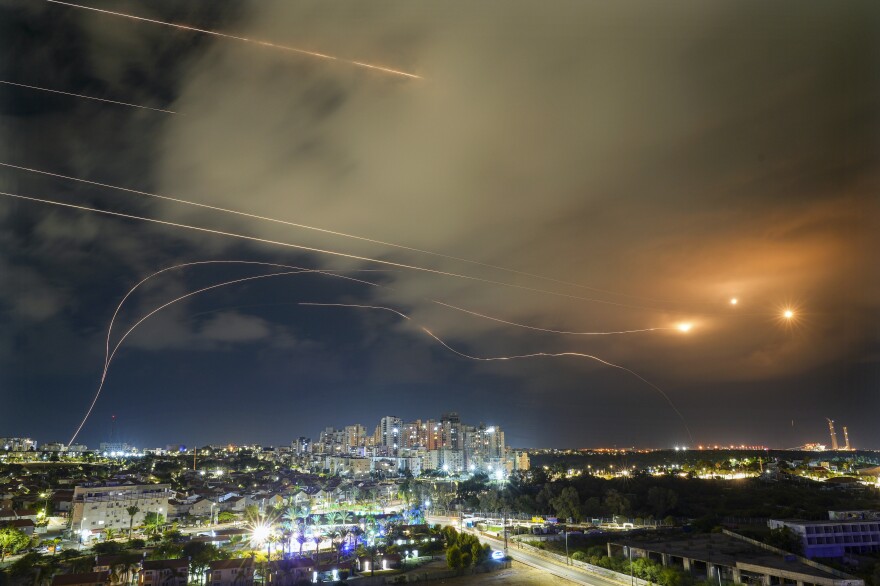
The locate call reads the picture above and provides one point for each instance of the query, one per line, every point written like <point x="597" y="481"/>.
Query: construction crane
<point x="834" y="445"/>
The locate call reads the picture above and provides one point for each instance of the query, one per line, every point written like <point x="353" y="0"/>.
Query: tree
<point x="11" y="541"/>
<point x="661" y="500"/>
<point x="616" y="502"/>
<point x="153" y="523"/>
<point x="225" y="517"/>
<point x="479" y="553"/>
<point x="200" y="555"/>
<point x="166" y="551"/>
<point x="132" y="511"/>
<point x="567" y="504"/>
<point x="786" y="539"/>
<point x="453" y="557"/>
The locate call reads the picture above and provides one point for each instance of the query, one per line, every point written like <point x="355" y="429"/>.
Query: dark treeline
<point x="657" y="497"/>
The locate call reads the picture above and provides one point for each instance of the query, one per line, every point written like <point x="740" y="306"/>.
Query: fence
<point x="604" y="572"/>
<point x="427" y="576"/>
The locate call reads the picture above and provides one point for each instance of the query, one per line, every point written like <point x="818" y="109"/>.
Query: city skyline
<point x="595" y="226"/>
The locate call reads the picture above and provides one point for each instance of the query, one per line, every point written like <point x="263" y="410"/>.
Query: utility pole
<point x="632" y="579"/>
<point x="504" y="526"/>
<point x="567" y="559"/>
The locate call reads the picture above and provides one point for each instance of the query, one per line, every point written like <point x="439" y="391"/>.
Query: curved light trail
<point x="109" y="355"/>
<point x="524" y="356"/>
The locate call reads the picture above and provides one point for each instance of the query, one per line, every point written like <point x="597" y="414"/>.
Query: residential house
<point x="238" y="572"/>
<point x="164" y="573"/>
<point x="290" y="571"/>
<point x="123" y="567"/>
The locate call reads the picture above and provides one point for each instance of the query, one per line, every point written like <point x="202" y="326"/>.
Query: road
<point x="571" y="573"/>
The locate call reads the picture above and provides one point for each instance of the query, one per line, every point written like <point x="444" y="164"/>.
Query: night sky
<point x="607" y="166"/>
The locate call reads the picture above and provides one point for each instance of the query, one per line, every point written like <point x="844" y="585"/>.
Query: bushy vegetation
<point x="463" y="550"/>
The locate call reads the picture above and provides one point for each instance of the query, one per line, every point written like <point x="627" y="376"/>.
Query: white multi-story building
<point x="100" y="507"/>
<point x="390" y="429"/>
<point x="447" y="460"/>
<point x="483" y="446"/>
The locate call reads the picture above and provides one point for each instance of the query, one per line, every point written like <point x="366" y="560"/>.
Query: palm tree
<point x="337" y="538"/>
<point x="273" y="539"/>
<point x="301" y="539"/>
<point x="317" y="538"/>
<point x="109" y="534"/>
<point x="303" y="512"/>
<point x="132" y="511"/>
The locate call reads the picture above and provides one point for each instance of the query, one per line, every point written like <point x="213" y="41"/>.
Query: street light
<point x="632" y="579"/>
<point x="567" y="559"/>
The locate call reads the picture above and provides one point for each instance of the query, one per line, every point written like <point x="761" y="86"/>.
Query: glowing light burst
<point x="734" y="301"/>
<point x="260" y="529"/>
<point x="305" y="52"/>
<point x="260" y="533"/>
<point x="788" y="314"/>
<point x="531" y="355"/>
<point x="43" y="89"/>
<point x="684" y="327"/>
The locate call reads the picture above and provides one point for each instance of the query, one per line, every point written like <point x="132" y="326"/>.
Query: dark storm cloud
<point x="680" y="154"/>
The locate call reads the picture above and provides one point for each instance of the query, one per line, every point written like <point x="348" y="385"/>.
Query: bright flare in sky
<point x="685" y="327"/>
<point x="788" y="314"/>
<point x="733" y="301"/>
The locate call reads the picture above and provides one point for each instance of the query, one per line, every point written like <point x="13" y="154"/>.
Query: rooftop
<point x="725" y="550"/>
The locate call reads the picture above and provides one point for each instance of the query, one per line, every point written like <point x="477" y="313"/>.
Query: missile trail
<point x="316" y="250"/>
<point x="342" y="234"/>
<point x="394" y="311"/>
<point x="548" y="330"/>
<point x="43" y="89"/>
<point x="110" y="355"/>
<point x="370" y="66"/>
<point x="215" y="262"/>
<point x="524" y="356"/>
